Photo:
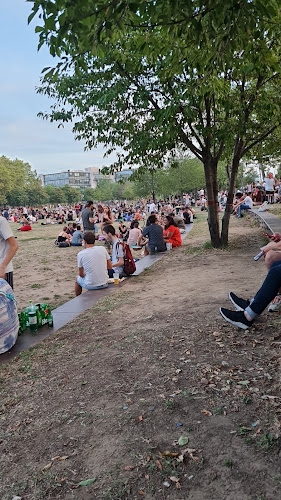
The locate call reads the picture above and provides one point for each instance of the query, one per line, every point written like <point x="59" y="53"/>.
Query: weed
<point x="228" y="463"/>
<point x="243" y="431"/>
<point x="219" y="410"/>
<point x="116" y="491"/>
<point x="208" y="245"/>
<point x="246" y="400"/>
<point x="267" y="441"/>
<point x="169" y="403"/>
<point x="36" y="285"/>
<point x="188" y="395"/>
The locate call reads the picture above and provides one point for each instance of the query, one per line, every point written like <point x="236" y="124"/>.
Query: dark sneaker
<point x="236" y="318"/>
<point x="239" y="304"/>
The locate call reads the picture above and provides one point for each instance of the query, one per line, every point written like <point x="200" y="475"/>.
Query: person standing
<point x="88" y="218"/>
<point x="8" y="248"/>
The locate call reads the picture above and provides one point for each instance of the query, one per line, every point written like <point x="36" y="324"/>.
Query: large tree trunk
<point x="210" y="168"/>
<point x="231" y="188"/>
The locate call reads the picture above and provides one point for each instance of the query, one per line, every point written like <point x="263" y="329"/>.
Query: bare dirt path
<point x="150" y="394"/>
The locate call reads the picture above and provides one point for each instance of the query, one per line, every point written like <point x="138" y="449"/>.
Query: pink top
<point x="134" y="235"/>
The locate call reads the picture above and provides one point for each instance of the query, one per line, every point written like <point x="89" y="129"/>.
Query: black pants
<point x="10" y="279"/>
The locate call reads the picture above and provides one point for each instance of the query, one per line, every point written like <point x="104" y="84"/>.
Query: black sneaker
<point x="236" y="318"/>
<point x="239" y="304"/>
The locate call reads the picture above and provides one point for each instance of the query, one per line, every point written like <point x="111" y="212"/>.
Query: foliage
<point x="19" y="185"/>
<point x="145" y="80"/>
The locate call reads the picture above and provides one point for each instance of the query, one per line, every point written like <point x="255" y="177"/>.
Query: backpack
<point x="129" y="263"/>
<point x="9" y="321"/>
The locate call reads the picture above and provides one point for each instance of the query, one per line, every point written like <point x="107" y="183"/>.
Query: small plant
<point x="208" y="245"/>
<point x="188" y="395"/>
<point x="169" y="403"/>
<point x="243" y="431"/>
<point x="228" y="463"/>
<point x="219" y="410"/>
<point x="267" y="441"/>
<point x="246" y="400"/>
<point x="36" y="285"/>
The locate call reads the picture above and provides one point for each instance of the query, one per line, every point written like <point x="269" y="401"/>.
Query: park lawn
<point x="150" y="394"/>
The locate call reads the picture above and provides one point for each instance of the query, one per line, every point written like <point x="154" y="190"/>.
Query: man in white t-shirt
<point x="245" y="203"/>
<point x="117" y="257"/>
<point x="93" y="263"/>
<point x="8" y="248"/>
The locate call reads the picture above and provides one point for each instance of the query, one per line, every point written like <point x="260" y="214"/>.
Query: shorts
<point x="81" y="282"/>
<point x="10" y="279"/>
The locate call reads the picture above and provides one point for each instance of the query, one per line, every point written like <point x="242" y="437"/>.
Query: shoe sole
<point x="235" y="323"/>
<point x="238" y="308"/>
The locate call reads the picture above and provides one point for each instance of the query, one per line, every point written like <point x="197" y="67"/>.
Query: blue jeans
<point x="267" y="292"/>
<point x="242" y="207"/>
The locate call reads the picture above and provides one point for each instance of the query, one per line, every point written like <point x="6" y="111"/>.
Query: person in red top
<point x="171" y="232"/>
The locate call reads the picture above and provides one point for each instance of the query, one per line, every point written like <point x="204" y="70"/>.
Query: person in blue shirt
<point x="77" y="237"/>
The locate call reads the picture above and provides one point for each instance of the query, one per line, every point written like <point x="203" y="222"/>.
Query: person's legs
<point x="267" y="292"/>
<point x="10" y="279"/>
<point x="242" y="207"/>
<point x="78" y="289"/>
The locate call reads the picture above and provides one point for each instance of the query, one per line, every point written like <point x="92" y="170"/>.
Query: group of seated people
<point x="70" y="235"/>
<point x="95" y="265"/>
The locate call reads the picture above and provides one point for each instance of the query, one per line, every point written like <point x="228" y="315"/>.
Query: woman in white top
<point x="269" y="185"/>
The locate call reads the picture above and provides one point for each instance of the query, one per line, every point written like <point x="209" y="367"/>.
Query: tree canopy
<point x="145" y="78"/>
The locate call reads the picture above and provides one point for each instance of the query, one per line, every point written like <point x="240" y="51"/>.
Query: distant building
<point x="75" y="178"/>
<point x="96" y="176"/>
<point x="123" y="174"/>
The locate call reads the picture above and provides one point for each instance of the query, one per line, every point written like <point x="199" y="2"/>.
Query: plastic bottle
<point x="32" y="317"/>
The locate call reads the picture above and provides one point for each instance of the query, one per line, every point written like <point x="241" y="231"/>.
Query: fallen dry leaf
<point x="129" y="467"/>
<point x="159" y="465"/>
<point x="47" y="467"/>
<point x="206" y="412"/>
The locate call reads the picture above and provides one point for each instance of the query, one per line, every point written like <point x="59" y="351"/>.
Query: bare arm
<point x="12" y="249"/>
<point x="109" y="264"/>
<point x="81" y="272"/>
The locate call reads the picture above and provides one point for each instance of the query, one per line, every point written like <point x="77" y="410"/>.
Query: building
<point x="83" y="179"/>
<point x="123" y="175"/>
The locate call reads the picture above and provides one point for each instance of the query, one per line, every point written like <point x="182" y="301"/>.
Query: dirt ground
<point x="150" y="394"/>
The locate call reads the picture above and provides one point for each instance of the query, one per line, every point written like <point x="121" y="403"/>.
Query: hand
<point x="276" y="237"/>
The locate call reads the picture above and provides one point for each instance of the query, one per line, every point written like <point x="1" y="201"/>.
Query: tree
<point x="56" y="195"/>
<point x="202" y="75"/>
<point x="19" y="185"/>
<point x="71" y="194"/>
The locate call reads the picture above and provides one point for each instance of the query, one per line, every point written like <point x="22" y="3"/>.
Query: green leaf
<point x="87" y="482"/>
<point x="183" y="440"/>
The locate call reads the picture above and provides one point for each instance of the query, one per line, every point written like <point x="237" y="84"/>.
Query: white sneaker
<point x="275" y="305"/>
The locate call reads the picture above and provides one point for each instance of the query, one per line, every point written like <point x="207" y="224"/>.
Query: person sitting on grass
<point x="247" y="311"/>
<point x="117" y="257"/>
<point x="26" y="227"/>
<point x="134" y="234"/>
<point x="245" y="203"/>
<point x="171" y="232"/>
<point x="154" y="232"/>
<point x="77" y="237"/>
<point x="64" y="237"/>
<point x="93" y="263"/>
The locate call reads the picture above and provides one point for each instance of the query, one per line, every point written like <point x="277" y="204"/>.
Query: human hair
<point x="89" y="203"/>
<point x="109" y="229"/>
<point x="136" y="224"/>
<point x="89" y="237"/>
<point x="171" y="221"/>
<point x="100" y="208"/>
<point x="64" y="228"/>
<point x="78" y="227"/>
<point x="152" y="219"/>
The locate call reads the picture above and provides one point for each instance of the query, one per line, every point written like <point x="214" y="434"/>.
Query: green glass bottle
<point x="32" y="317"/>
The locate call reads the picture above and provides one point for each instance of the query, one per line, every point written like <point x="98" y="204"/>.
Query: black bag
<point x="63" y="244"/>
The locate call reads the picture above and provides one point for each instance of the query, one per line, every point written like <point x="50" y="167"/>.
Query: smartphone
<point x="258" y="256"/>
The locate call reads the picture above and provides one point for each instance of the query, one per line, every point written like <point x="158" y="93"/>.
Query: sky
<point x="22" y="134"/>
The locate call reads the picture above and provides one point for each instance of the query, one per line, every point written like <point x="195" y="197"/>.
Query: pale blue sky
<point x="22" y="135"/>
